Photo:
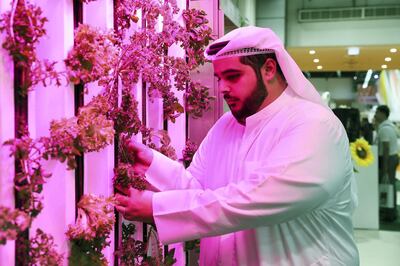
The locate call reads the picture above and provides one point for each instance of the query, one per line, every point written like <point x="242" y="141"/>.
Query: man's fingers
<point x="135" y="192"/>
<point x="122" y="190"/>
<point x="122" y="200"/>
<point x="120" y="209"/>
<point x="132" y="145"/>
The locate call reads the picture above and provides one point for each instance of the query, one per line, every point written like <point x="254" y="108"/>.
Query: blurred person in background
<point x="388" y="150"/>
<point x="367" y="130"/>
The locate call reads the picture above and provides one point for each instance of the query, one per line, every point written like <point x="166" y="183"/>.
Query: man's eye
<point x="232" y="77"/>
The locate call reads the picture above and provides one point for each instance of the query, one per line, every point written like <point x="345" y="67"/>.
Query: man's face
<point x="379" y="117"/>
<point x="241" y="89"/>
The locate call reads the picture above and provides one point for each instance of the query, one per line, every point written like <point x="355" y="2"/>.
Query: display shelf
<point x="366" y="215"/>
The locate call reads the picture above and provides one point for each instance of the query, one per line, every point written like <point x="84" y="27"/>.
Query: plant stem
<point x="13" y="9"/>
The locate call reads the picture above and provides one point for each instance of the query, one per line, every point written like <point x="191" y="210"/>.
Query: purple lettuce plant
<point x="24" y="26"/>
<point x="12" y="222"/>
<point x="90" y="233"/>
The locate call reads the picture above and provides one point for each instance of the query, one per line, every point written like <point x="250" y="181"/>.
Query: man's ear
<point x="268" y="70"/>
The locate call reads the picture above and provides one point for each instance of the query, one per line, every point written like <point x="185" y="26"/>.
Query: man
<point x="366" y="130"/>
<point x="272" y="183"/>
<point x="388" y="159"/>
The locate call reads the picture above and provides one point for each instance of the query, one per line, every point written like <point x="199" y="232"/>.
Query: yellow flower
<point x="361" y="152"/>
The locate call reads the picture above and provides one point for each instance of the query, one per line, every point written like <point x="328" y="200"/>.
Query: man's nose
<point x="223" y="88"/>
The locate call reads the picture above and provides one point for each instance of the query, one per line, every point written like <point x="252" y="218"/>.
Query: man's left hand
<point x="136" y="205"/>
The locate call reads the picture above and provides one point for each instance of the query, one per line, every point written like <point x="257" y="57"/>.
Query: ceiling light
<point x="316" y="60"/>
<point x="393" y="50"/>
<point x="312" y="51"/>
<point x="388" y="59"/>
<point x="355" y="77"/>
<point x="376" y="76"/>
<point x="367" y="78"/>
<point x="384" y="66"/>
<point x="319" y="67"/>
<point x="353" y="50"/>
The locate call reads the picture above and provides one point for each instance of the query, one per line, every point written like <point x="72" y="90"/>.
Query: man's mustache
<point x="229" y="97"/>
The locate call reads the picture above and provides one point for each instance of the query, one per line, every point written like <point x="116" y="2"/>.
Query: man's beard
<point x="252" y="103"/>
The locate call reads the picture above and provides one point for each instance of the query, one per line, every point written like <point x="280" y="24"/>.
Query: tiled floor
<point x="378" y="248"/>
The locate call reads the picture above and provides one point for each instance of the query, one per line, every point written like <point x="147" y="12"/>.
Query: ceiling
<point x="337" y="59"/>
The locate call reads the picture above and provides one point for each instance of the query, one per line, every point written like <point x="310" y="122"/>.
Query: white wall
<point x="365" y="32"/>
<point x="247" y="9"/>
<point x="240" y="12"/>
<point x="339" y="88"/>
<point x="271" y="14"/>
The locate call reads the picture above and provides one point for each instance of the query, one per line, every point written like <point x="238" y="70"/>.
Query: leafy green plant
<point x="126" y="177"/>
<point x="42" y="250"/>
<point x="24" y="26"/>
<point x="134" y="252"/>
<point x="92" y="56"/>
<point x="89" y="236"/>
<point x="188" y="152"/>
<point x="117" y="61"/>
<point x="31" y="177"/>
<point x="90" y="131"/>
<point x="38" y="250"/>
<point x="12" y="222"/>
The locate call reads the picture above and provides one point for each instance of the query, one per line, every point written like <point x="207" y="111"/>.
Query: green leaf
<point x="87" y="65"/>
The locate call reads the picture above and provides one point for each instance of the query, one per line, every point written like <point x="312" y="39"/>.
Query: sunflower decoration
<point x="361" y="152"/>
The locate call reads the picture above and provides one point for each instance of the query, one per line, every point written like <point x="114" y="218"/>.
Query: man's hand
<point x="136" y="205"/>
<point x="140" y="154"/>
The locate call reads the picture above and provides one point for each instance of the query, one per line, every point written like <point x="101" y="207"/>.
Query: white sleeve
<point x="306" y="167"/>
<point x="166" y="174"/>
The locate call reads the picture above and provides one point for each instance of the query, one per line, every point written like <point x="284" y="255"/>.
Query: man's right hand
<point x="140" y="154"/>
